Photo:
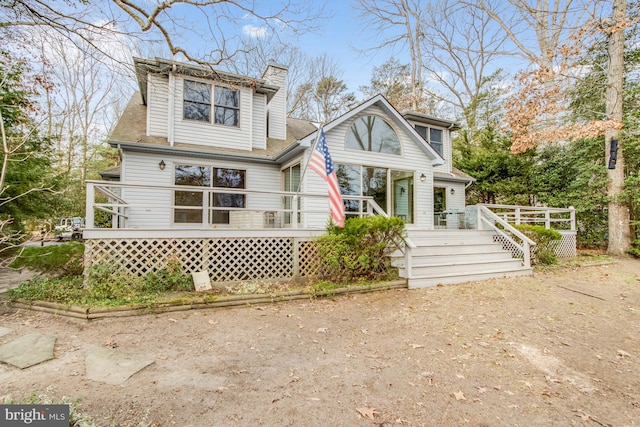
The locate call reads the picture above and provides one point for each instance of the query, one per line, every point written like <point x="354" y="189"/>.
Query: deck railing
<point x="550" y="218"/>
<point x="284" y="212"/>
<point x="562" y="220"/>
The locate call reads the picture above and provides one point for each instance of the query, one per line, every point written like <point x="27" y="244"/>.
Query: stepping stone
<point x="28" y="350"/>
<point x="111" y="366"/>
<point x="4" y="331"/>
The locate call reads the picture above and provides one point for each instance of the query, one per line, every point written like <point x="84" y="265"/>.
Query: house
<point x="214" y="173"/>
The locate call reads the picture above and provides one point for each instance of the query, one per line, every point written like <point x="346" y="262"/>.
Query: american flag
<point x="321" y="163"/>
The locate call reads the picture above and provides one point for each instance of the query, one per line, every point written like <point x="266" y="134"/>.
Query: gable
<point x="400" y="123"/>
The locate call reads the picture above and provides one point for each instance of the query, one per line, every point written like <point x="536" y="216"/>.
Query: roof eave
<point x="190" y="152"/>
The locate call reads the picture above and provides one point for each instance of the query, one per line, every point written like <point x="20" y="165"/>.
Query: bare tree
<point x="551" y="23"/>
<point x="323" y="96"/>
<point x="398" y="24"/>
<point x="175" y="23"/>
<point x="459" y="49"/>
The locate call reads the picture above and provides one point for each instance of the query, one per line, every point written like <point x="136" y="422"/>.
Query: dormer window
<point x="432" y="136"/>
<point x="197" y="103"/>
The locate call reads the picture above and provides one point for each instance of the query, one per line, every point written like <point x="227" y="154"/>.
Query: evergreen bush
<point x="361" y="250"/>
<point x="547" y="241"/>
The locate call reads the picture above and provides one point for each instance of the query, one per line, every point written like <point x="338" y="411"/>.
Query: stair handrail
<point x="490" y="218"/>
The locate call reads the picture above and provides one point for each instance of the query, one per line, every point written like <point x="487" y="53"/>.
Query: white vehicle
<point x="69" y="228"/>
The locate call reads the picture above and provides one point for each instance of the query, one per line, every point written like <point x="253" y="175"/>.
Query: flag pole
<point x="306" y="166"/>
<point x="294" y="200"/>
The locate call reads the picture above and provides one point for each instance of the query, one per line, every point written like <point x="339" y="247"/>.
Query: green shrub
<point x="53" y="260"/>
<point x="168" y="279"/>
<point x="547" y="241"/>
<point x="360" y="250"/>
<point x="634" y="250"/>
<point x="64" y="290"/>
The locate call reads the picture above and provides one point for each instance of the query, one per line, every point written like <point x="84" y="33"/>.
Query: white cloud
<point x="255" y="32"/>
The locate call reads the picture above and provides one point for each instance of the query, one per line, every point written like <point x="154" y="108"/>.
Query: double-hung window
<point x="197" y="103"/>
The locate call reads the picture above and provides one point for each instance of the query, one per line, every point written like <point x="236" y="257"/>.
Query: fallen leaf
<point x="322" y="330"/>
<point x="213" y="322"/>
<point x="459" y="395"/>
<point x="367" y="412"/>
<point x="481" y="390"/>
<point x="622" y="354"/>
<point x="172" y="320"/>
<point x="417" y="346"/>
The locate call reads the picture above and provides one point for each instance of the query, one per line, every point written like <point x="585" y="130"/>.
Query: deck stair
<point x="456" y="256"/>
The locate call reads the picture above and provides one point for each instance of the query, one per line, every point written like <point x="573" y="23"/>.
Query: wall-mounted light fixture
<point x="161" y="165"/>
<point x="423" y="178"/>
<point x="452" y="191"/>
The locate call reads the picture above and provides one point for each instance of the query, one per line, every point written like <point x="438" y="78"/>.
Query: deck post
<point x="572" y="216"/>
<point x="294" y="211"/>
<point x="89" y="201"/>
<point x="526" y="253"/>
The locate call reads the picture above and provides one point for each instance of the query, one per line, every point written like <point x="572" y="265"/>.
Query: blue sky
<point x="340" y="36"/>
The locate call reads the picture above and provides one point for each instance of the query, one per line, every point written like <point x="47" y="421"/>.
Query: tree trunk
<point x="619" y="226"/>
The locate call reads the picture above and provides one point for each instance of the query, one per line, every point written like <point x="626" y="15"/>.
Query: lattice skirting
<point x="225" y="259"/>
<point x="565" y="249"/>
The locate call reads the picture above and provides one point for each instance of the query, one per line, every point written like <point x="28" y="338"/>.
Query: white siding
<point x="411" y="159"/>
<point x="149" y="209"/>
<point x="157" y="105"/>
<point x="259" y="137"/>
<point x="152" y="209"/>
<point x="277" y="107"/>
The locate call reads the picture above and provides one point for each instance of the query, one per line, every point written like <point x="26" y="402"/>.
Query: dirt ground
<point x="556" y="349"/>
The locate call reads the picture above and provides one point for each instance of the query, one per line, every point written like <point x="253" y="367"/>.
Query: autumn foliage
<point x="537" y="112"/>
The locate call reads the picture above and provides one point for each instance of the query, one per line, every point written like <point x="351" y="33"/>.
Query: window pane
<point x="228" y="178"/>
<point x="349" y="182"/>
<point x="435" y="139"/>
<point x="226" y="116"/>
<point x="187" y="198"/>
<point x="372" y="133"/>
<point x="197" y="92"/>
<point x="192" y="175"/>
<point x="194" y="111"/>
<point x="374" y="183"/>
<point x="226" y="97"/>
<point x="422" y="131"/>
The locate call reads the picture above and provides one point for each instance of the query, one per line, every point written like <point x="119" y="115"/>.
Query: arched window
<point x="371" y="133"/>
